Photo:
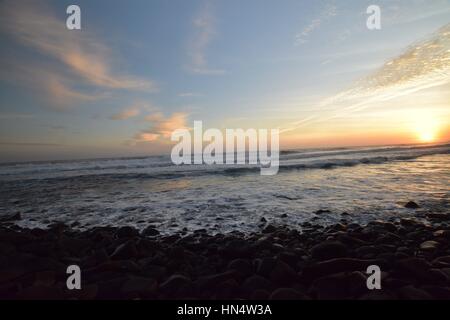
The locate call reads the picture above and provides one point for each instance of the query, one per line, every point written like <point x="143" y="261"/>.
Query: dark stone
<point x="175" y="282"/>
<point x="282" y="274"/>
<point x="413" y="293"/>
<point x="242" y="266"/>
<point x="150" y="231"/>
<point x="13" y="217"/>
<point x="287" y="294"/>
<point x="411" y="205"/>
<point x="127" y="232"/>
<point x="269" y="229"/>
<point x="256" y="282"/>
<point x="328" y="250"/>
<point x="126" y="250"/>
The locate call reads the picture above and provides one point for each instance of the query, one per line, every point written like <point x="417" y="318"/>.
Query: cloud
<point x="80" y="54"/>
<point x="126" y="114"/>
<point x="161" y="126"/>
<point x="302" y="37"/>
<point x="424" y="64"/>
<point x="57" y="89"/>
<point x="189" y="94"/>
<point x="204" y="31"/>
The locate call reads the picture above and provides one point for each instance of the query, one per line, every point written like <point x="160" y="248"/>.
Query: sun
<point x="425" y="126"/>
<point x="427" y="136"/>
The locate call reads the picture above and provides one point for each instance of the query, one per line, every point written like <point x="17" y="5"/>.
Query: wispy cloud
<point x="55" y="87"/>
<point x="161" y="127"/>
<point x="189" y="94"/>
<point x="423" y="65"/>
<point x="303" y="36"/>
<point x="126" y="114"/>
<point x="35" y="26"/>
<point x="204" y="25"/>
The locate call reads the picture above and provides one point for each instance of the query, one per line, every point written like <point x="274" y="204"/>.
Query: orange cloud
<point x="34" y="25"/>
<point x="162" y="127"/>
<point x="126" y="114"/>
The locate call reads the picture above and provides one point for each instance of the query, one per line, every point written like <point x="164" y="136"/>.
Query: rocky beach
<point x="277" y="262"/>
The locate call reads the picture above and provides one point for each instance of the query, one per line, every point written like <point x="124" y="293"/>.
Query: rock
<point x="260" y="295"/>
<point x="438" y="292"/>
<point x="40" y="293"/>
<point x="242" y="266"/>
<point x="126" y="250"/>
<point x="13" y="217"/>
<point x="338" y="265"/>
<point x="340" y="286"/>
<point x="269" y="229"/>
<point x="150" y="231"/>
<point x="256" y="282"/>
<point x="146" y="286"/>
<point x="442" y="262"/>
<point x="328" y="250"/>
<point x="263" y="219"/>
<point x="445" y="234"/>
<point x="236" y="248"/>
<point x="110" y="289"/>
<point x="437" y="216"/>
<point x="265" y="266"/>
<point x="287" y="294"/>
<point x="411" y="205"/>
<point x="415" y="268"/>
<point x="127" y="232"/>
<point x="45" y="278"/>
<point x="429" y="245"/>
<point x="210" y="281"/>
<point x="377" y="295"/>
<point x="282" y="274"/>
<point x="174" y="283"/>
<point x="413" y="293"/>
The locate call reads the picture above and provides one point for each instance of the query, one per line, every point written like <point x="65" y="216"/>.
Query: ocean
<point x="320" y="186"/>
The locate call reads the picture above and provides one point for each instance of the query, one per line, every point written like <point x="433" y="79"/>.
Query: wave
<point x="337" y="160"/>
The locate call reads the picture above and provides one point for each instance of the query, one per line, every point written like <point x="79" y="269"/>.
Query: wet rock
<point x="265" y="266"/>
<point x="260" y="295"/>
<point x="150" y="231"/>
<point x="438" y="292"/>
<point x="445" y="234"/>
<point x="127" y="232"/>
<point x="411" y="205"/>
<point x="442" y="262"/>
<point x="40" y="293"/>
<point x="175" y="282"/>
<point x="212" y="280"/>
<point x="437" y="216"/>
<point x="269" y="229"/>
<point x="415" y="267"/>
<point x="126" y="250"/>
<point x="13" y="217"/>
<point x="287" y="294"/>
<point x="241" y="265"/>
<point x="338" y="265"/>
<point x="256" y="282"/>
<point x="340" y="286"/>
<point x="429" y="245"/>
<point x="139" y="285"/>
<point x="413" y="293"/>
<point x="328" y="250"/>
<point x="282" y="274"/>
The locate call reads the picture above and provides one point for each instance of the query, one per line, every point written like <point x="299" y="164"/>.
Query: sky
<point x="139" y="69"/>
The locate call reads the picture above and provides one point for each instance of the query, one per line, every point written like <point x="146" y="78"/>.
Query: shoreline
<point x="276" y="263"/>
